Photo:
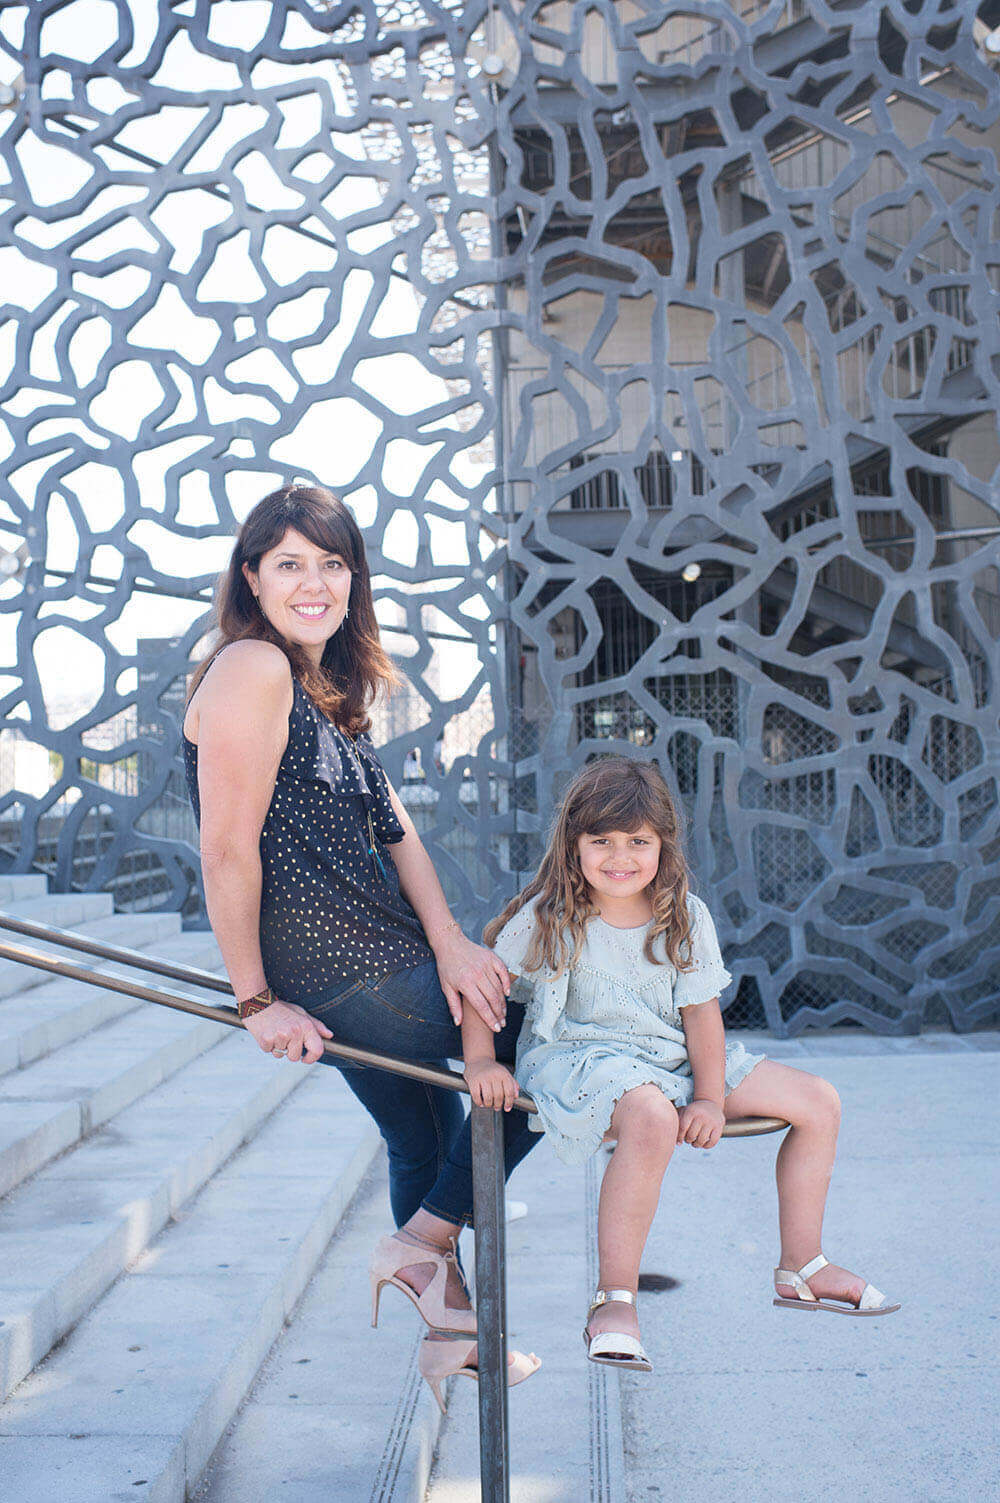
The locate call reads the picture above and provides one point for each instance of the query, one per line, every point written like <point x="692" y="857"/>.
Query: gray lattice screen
<point x="661" y="371"/>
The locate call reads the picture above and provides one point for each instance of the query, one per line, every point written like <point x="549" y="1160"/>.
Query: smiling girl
<point x="619" y="969"/>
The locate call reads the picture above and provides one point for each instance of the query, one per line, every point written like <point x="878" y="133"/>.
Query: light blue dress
<point x="610" y="1024"/>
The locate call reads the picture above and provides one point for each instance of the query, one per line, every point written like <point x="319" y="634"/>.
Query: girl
<point x="620" y="971"/>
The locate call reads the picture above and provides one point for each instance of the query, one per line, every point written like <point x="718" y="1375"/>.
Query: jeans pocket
<point x="327" y="1005"/>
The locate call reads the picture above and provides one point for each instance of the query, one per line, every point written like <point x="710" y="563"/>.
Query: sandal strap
<point x="871" y="1298"/>
<point x="605" y="1296"/>
<point x="807" y="1271"/>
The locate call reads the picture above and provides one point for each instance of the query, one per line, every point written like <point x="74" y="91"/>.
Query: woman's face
<point x="302" y="591"/>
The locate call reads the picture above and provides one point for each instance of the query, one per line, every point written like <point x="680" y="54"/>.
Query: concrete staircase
<point x="167" y="1193"/>
<point x="184" y="1234"/>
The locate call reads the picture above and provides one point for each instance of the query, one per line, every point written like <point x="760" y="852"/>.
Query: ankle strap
<point x="605" y="1296"/>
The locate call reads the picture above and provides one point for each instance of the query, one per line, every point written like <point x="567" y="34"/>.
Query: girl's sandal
<point x="615" y="1348"/>
<point x="872" y="1301"/>
<point x="393" y="1254"/>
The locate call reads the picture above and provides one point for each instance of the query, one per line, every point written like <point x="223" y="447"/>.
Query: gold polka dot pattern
<point x="331" y="905"/>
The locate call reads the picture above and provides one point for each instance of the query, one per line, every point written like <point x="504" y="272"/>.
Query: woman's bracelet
<point x="256" y="1003"/>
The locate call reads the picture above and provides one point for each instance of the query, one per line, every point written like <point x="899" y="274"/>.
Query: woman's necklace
<point x="373" y="851"/>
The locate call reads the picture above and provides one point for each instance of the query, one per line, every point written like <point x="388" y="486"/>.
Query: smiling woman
<point x="327" y="910"/>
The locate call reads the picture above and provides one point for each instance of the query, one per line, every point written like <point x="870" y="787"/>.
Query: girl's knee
<point x="644" y="1117"/>
<point x="821" y="1103"/>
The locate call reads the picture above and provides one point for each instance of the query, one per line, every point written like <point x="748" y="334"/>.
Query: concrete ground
<point x="749" y="1402"/>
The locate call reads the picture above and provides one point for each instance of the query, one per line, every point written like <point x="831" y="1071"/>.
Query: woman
<point x="328" y="913"/>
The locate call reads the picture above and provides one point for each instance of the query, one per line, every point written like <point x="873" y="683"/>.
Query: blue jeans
<point x="425" y="1127"/>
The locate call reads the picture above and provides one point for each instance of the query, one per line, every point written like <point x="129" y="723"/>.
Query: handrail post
<point x="491" y="1302"/>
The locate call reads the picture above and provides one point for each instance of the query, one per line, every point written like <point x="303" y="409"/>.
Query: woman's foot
<point x="417" y="1275"/>
<point x="440" y="1358"/>
<point x="427" y="1273"/>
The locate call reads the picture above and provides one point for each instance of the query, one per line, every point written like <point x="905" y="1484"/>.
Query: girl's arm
<point x="240" y="718"/>
<point x="466" y="970"/>
<point x="702" y="1122"/>
<point x="490" y="1084"/>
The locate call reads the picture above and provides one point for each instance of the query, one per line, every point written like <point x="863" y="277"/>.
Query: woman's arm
<point x="468" y="971"/>
<point x="240" y="716"/>
<point x="702" y="1122"/>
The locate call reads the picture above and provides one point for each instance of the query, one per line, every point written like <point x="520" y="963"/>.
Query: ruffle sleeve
<point x="384" y="821"/>
<point x="708" y="976"/>
<point x="542" y="994"/>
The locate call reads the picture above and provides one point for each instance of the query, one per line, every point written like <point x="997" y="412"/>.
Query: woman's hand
<point x="286" y="1029"/>
<point x="490" y="1084"/>
<point x="701" y="1124"/>
<point x="472" y="974"/>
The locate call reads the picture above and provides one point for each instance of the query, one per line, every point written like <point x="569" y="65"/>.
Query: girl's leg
<point x="645" y="1124"/>
<point x="804" y="1165"/>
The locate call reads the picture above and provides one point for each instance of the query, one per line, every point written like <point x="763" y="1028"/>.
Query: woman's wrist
<point x="440" y="935"/>
<point x="248" y="1006"/>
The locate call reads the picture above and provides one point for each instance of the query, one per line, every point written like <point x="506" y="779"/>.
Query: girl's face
<point x="618" y="864"/>
<point x="302" y="591"/>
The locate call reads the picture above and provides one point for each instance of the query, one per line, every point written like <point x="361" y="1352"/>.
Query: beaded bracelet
<point x="256" y="1003"/>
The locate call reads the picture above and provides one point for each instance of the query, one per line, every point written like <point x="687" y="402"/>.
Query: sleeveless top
<point x="331" y="906"/>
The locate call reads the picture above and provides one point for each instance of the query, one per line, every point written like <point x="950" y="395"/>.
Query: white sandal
<point x="615" y="1348"/>
<point x="872" y="1301"/>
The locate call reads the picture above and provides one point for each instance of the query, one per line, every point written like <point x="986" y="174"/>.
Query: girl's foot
<point x="819" y="1285"/>
<point x="615" y="1315"/>
<point x="611" y="1334"/>
<point x="831" y="1282"/>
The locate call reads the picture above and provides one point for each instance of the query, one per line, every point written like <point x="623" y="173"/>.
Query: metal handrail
<point x="487" y="1154"/>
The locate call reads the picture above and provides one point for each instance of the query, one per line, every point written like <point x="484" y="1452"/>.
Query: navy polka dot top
<point x="331" y="906"/>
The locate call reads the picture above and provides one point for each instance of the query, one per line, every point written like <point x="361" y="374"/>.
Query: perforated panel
<point x="708" y="292"/>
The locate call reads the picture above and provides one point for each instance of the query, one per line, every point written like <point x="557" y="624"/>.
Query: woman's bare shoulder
<point x="251" y="673"/>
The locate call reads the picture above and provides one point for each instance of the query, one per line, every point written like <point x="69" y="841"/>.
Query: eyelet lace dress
<point x="610" y="1024"/>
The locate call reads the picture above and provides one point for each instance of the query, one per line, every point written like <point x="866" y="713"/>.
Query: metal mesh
<point x="660" y="372"/>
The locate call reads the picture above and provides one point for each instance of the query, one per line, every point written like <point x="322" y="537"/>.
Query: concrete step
<point x="55" y="1102"/>
<point x="552" y="1274"/>
<point x="59" y="1011"/>
<point x="67" y="1234"/>
<point x="16" y="888"/>
<point x="111" y="929"/>
<point x="338" y="1411"/>
<point x="139" y="1394"/>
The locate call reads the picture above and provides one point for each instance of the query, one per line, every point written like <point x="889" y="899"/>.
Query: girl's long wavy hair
<point x="612" y="793"/>
<point x="355" y="665"/>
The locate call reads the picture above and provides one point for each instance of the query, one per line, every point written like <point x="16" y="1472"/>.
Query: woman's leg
<point x="406" y="1014"/>
<point x="645" y="1124"/>
<point x="804" y="1165"/>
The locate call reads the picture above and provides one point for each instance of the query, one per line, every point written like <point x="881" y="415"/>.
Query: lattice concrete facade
<point x="656" y="348"/>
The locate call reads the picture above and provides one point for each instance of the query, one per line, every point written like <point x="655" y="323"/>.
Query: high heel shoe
<point x="392" y="1254"/>
<point x="872" y="1301"/>
<point x="438" y="1360"/>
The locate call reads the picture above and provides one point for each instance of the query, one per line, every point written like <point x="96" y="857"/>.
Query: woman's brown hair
<point x="611" y="793"/>
<point x="355" y="665"/>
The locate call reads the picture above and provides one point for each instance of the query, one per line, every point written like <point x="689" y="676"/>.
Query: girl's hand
<point x="286" y="1029"/>
<point x="490" y="1084"/>
<point x="701" y="1124"/>
<point x="472" y="974"/>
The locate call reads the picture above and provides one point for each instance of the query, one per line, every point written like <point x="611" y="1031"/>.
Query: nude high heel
<point x="390" y="1255"/>
<point x="438" y="1360"/>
